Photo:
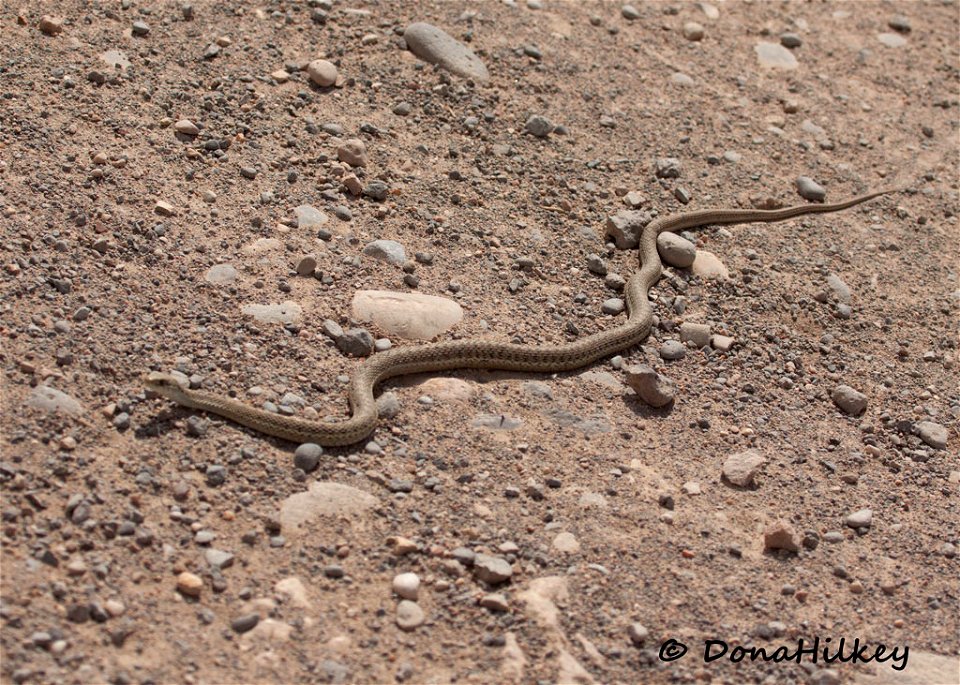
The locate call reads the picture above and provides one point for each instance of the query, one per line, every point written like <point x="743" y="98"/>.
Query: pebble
<point x="492" y="570"/>
<point x="356" y="342"/>
<point x="189" y="584"/>
<point x="849" y="400"/>
<point x="667" y="167"/>
<point x="386" y="251"/>
<point x="409" y="615"/>
<point x="307" y="456"/>
<point x="790" y="40"/>
<point x="407" y="585"/>
<point x="859" y="519"/>
<point x="164" y="208"/>
<point x="892" y="40"/>
<point x="810" y="189"/>
<point x="309" y="217"/>
<point x="693" y="31"/>
<point x="51" y="25"/>
<point x="51" y="400"/>
<point x="676" y="251"/>
<point x="741" y="468"/>
<point x="933" y="434"/>
<point x="322" y="72"/>
<point x="775" y="56"/>
<point x="900" y="23"/>
<point x="218" y="559"/>
<point x="186" y="127"/>
<point x="436" y="46"/>
<point x="307" y="266"/>
<point x="638" y="633"/>
<point x="495" y="602"/>
<point x="724" y="343"/>
<point x="376" y="190"/>
<point x="629" y="12"/>
<point x="284" y="313"/>
<point x="221" y="274"/>
<point x="651" y="387"/>
<point x="672" y="350"/>
<point x="697" y="333"/>
<point x="246" y="622"/>
<point x="781" y="535"/>
<point x="538" y="126"/>
<point x="566" y="543"/>
<point x="613" y="306"/>
<point x="681" y="79"/>
<point x="140" y="28"/>
<point x="353" y="152"/>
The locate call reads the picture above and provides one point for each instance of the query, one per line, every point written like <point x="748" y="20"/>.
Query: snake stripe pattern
<point x="482" y="354"/>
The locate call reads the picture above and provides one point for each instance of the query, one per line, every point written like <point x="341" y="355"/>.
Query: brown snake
<point x="482" y="354"/>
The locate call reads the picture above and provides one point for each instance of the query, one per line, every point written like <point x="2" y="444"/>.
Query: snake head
<point x="164" y="384"/>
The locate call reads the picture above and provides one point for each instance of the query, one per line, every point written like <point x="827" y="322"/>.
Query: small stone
<point x="810" y="189"/>
<point x="651" y="387"/>
<point x="790" y="40"/>
<point x="386" y="251"/>
<point x="932" y="433"/>
<point x="667" y="167"/>
<point x="740" y="468"/>
<point x="245" y="623"/>
<point x="566" y="543"/>
<point x="248" y="172"/>
<point x="322" y="72"/>
<point x="409" y="615"/>
<point x="376" y="190"/>
<point x="307" y="456"/>
<point x="638" y="633"/>
<point x="675" y="250"/>
<point x="613" y="306"/>
<point x="186" y="127"/>
<point x="693" y="31"/>
<point x="189" y="584"/>
<point x="51" y="25"/>
<point x="140" y="28"/>
<point x="403" y="546"/>
<point x="900" y="23"/>
<point x="495" y="602"/>
<point x="672" y="350"/>
<point x="307" y="266"/>
<point x="708" y="266"/>
<point x="629" y="12"/>
<point x="859" y="519"/>
<point x="218" y="559"/>
<point x="538" y="126"/>
<point x="353" y="152"/>
<point x="492" y="570"/>
<point x="775" y="56"/>
<point x="697" y="333"/>
<point x="280" y="75"/>
<point x="407" y="585"/>
<point x="356" y="342"/>
<point x="849" y="400"/>
<point x="723" y="343"/>
<point x="781" y="535"/>
<point x="163" y="208"/>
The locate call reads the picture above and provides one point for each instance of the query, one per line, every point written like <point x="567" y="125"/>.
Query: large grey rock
<point x="849" y="400"/>
<point x="356" y="342"/>
<point x="436" y="46"/>
<point x="625" y="228"/>
<point x="411" y="316"/>
<point x="50" y="399"/>
<point x="933" y="434"/>
<point x="676" y="251"/>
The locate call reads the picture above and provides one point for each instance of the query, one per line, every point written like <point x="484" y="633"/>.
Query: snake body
<point x="481" y="354"/>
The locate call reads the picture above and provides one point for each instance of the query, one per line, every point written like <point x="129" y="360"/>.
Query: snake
<point x="481" y="354"/>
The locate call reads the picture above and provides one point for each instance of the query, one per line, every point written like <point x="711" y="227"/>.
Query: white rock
<point x="309" y="217"/>
<point x="849" y="400"/>
<point x="322" y="72"/>
<point x="651" y="387"/>
<point x="323" y="500"/>
<point x="707" y="265"/>
<point x="566" y="542"/>
<point x="221" y="274"/>
<point x="697" y="333"/>
<point x="740" y="468"/>
<point x="933" y="434"/>
<point x="407" y="585"/>
<point x="775" y="56"/>
<point x="860" y="519"/>
<point x="412" y="316"/>
<point x="409" y="615"/>
<point x="283" y="313"/>
<point x="186" y="127"/>
<point x="50" y="399"/>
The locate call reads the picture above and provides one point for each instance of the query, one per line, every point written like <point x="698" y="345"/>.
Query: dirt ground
<point x="560" y="529"/>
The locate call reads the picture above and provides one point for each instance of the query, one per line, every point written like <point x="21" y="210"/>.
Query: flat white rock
<point x="707" y="265"/>
<point x="775" y="56"/>
<point x="51" y="399"/>
<point x="412" y="316"/>
<point x="221" y="274"/>
<point x="322" y="500"/>
<point x="284" y="312"/>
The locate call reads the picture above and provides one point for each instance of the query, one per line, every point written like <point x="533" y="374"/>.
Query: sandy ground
<point x="560" y="529"/>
